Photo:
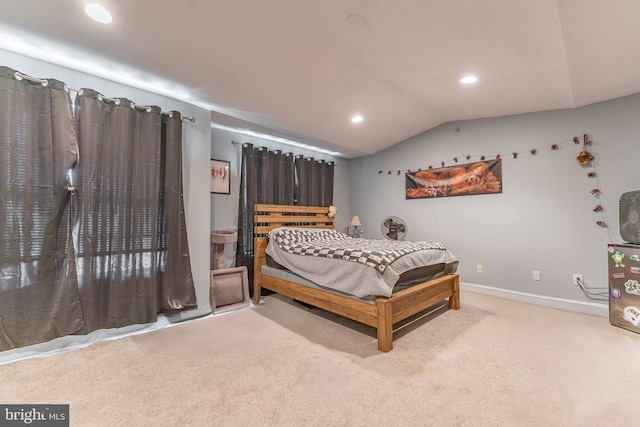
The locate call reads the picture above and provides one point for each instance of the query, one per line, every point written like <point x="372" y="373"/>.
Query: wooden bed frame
<point x="382" y="315"/>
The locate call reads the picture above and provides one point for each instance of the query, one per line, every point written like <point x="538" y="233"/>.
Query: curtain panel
<point x="176" y="287"/>
<point x="273" y="177"/>
<point x="266" y="176"/>
<point x="118" y="181"/>
<point x="39" y="298"/>
<point x="314" y="182"/>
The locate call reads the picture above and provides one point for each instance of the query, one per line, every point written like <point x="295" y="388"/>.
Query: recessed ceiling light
<point x="468" y="79"/>
<point x="357" y="119"/>
<point x="98" y="13"/>
<point x="355" y="20"/>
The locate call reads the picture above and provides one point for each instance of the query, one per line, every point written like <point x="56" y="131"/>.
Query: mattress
<point x="355" y="275"/>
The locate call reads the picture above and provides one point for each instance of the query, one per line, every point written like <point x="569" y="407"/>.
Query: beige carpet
<point x="492" y="363"/>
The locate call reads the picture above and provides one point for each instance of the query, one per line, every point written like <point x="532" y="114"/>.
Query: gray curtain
<point x="273" y="177"/>
<point x="177" y="291"/>
<point x="92" y="224"/>
<point x="39" y="297"/>
<point x="314" y="182"/>
<point x="266" y="176"/>
<point x="125" y="245"/>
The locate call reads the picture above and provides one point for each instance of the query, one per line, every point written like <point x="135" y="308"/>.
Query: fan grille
<point x="393" y="228"/>
<point x="630" y="217"/>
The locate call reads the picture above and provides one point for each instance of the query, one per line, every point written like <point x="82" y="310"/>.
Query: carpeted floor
<point x="494" y="362"/>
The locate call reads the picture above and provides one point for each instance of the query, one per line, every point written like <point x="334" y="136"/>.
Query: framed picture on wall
<point x="483" y="177"/>
<point x="220" y="177"/>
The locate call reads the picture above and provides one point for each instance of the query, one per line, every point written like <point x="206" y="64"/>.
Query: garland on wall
<point x="585" y="159"/>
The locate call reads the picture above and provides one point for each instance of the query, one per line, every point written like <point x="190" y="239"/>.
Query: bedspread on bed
<point x="333" y="244"/>
<point x="353" y="277"/>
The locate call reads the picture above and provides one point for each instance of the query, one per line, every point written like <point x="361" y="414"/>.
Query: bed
<point x="380" y="312"/>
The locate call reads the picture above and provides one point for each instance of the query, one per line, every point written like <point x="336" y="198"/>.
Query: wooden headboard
<point x="268" y="217"/>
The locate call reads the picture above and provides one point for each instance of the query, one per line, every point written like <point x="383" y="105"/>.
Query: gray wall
<point x="544" y="218"/>
<point x="196" y="153"/>
<point x="224" y="208"/>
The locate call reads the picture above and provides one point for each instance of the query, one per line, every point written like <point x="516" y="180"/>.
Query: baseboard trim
<point x="584" y="307"/>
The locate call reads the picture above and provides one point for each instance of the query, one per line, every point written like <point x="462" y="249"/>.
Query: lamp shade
<point x="355" y="221"/>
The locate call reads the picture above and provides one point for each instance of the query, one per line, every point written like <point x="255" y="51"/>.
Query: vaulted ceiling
<point x="305" y="67"/>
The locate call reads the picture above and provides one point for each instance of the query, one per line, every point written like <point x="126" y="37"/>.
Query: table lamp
<point x="355" y="222"/>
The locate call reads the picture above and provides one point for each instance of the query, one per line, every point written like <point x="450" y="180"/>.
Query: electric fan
<point x="630" y="217"/>
<point x="394" y="228"/>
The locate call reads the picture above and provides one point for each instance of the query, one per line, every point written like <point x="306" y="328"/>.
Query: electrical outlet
<point x="536" y="275"/>
<point x="577" y="279"/>
<point x="479" y="269"/>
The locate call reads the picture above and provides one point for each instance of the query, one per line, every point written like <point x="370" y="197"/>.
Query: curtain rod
<point x="234" y="142"/>
<point x="45" y="83"/>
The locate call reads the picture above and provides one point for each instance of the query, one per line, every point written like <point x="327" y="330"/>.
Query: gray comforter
<point x="362" y="279"/>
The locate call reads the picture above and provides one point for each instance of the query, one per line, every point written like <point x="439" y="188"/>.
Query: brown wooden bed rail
<point x="381" y="315"/>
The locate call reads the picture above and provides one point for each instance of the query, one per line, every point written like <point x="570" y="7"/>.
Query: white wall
<point x="224" y="208"/>
<point x="196" y="153"/>
<point x="544" y="218"/>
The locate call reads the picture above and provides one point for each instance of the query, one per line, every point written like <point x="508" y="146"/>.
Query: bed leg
<point x="454" y="300"/>
<point x="385" y="327"/>
<point x="256" y="290"/>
